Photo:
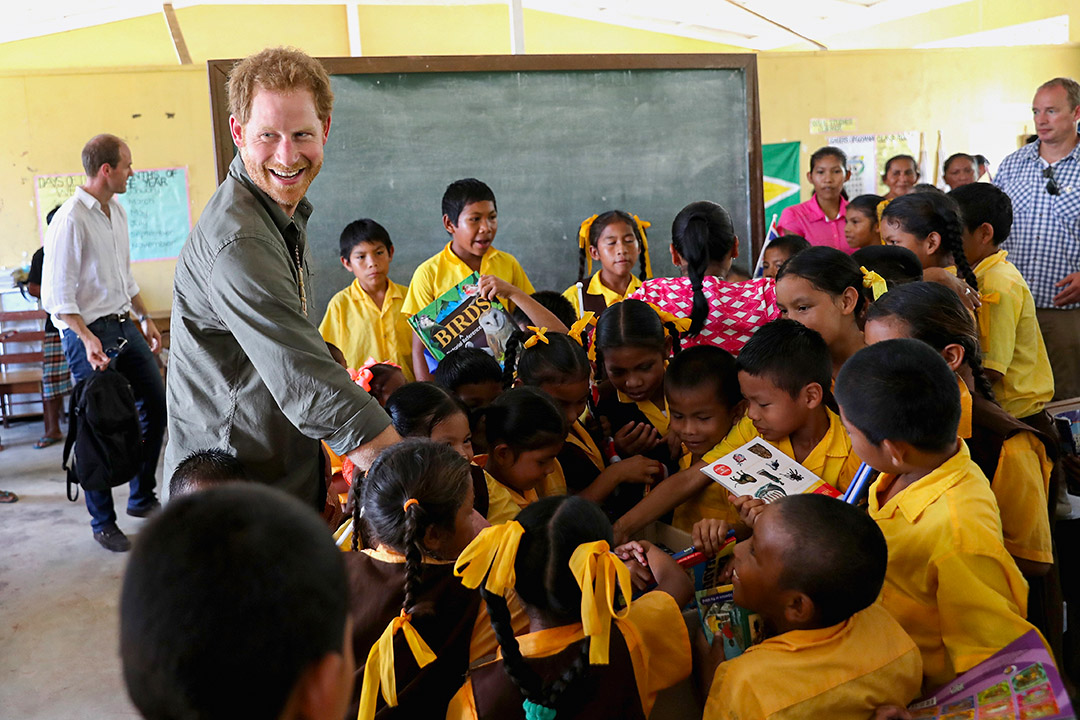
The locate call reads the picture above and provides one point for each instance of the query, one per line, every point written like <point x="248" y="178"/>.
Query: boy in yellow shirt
<point x="812" y="569"/>
<point x="470" y="216"/>
<point x="365" y="320"/>
<point x="782" y="373"/>
<point x="950" y="583"/>
<point x="1014" y="354"/>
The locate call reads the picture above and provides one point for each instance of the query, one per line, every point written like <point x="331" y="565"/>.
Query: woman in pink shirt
<point x="703" y="244"/>
<point x="821" y="219"/>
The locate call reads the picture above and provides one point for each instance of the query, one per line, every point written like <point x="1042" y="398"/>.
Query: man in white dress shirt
<point x="88" y="288"/>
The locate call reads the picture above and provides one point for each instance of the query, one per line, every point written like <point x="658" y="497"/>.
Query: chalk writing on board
<point x="156" y="202"/>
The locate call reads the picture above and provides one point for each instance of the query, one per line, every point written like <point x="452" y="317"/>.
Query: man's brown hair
<point x="278" y="69"/>
<point x="100" y="150"/>
<point x="1071" y="87"/>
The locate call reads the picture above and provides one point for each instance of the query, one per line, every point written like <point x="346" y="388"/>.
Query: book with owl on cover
<point x="461" y="318"/>
<point x="760" y="470"/>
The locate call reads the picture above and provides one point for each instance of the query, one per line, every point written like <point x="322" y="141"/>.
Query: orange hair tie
<point x="409" y="503"/>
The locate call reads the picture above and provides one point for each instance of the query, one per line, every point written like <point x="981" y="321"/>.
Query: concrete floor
<point x="59" y="592"/>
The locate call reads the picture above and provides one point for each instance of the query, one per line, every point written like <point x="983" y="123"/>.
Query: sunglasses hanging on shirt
<point x="1052" y="186"/>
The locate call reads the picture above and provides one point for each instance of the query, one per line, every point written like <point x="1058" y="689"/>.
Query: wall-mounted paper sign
<point x="820" y="126"/>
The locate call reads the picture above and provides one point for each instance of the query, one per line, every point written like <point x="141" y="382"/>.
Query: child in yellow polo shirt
<point x="1014" y="354"/>
<point x="950" y="582"/>
<point x="812" y="569"/>
<point x="617" y="241"/>
<point x="471" y="218"/>
<point x="783" y="372"/>
<point x="365" y="320"/>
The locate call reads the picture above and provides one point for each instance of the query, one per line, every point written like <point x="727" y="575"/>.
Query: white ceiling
<point x="754" y="24"/>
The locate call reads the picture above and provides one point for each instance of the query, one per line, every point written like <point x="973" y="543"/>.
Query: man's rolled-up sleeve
<point x="256" y="297"/>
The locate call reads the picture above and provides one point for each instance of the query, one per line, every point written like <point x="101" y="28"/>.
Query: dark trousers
<point x="137" y="364"/>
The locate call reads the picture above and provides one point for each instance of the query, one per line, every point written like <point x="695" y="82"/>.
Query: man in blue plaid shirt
<point x="1043" y="181"/>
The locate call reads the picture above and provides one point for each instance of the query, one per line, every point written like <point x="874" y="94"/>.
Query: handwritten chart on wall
<point x="156" y="201"/>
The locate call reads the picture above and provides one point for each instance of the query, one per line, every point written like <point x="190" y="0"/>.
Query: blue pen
<point x="858" y="483"/>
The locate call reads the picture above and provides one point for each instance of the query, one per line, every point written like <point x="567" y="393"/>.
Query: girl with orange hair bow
<point x="589" y="651"/>
<point x="415" y="628"/>
<point x="616" y="240"/>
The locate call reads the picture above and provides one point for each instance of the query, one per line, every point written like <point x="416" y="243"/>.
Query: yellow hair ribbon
<point x="874" y="281"/>
<point x="491" y="553"/>
<point x="537" y="336"/>
<point x="592" y="349"/>
<point x="641" y="225"/>
<point x="681" y="324"/>
<point x="589" y="318"/>
<point x="379" y="669"/>
<point x="583" y="240"/>
<point x="881" y="209"/>
<point x="599" y="573"/>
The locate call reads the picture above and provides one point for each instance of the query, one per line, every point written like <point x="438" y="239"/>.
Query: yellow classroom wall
<point x="979" y="98"/>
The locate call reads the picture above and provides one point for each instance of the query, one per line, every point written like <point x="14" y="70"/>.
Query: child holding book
<point x="1014" y="354"/>
<point x="470" y="217"/>
<point x="950" y="581"/>
<point x="365" y="320"/>
<point x="589" y="651"/>
<point x="812" y="569"/>
<point x="616" y="240"/>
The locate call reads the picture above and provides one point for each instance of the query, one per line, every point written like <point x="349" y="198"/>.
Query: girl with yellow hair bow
<point x="617" y="241"/>
<point x="415" y="628"/>
<point x="589" y="651"/>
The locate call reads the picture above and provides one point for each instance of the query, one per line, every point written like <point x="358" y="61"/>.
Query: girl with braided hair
<point x="928" y="224"/>
<point x="417" y="627"/>
<point x="589" y="651"/>
<point x="1015" y="456"/>
<point x="616" y="240"/>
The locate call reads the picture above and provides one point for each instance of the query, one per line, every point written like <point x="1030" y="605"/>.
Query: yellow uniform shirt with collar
<point x="361" y="330"/>
<point x="655" y="635"/>
<point x="1021" y="486"/>
<point x="950" y="582"/>
<point x="711" y="502"/>
<point x="483" y="643"/>
<point x="1011" y="341"/>
<point x="441" y="272"/>
<point x="841" y="672"/>
<point x="554" y="483"/>
<point x="596" y="287"/>
<point x="501" y="505"/>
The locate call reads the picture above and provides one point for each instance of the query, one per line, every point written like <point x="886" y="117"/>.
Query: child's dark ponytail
<point x="510" y="357"/>
<point x="935" y="315"/>
<point x="923" y="213"/>
<point x="702" y="233"/>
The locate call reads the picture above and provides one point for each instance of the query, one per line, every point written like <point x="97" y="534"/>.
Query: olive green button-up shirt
<point x="248" y="371"/>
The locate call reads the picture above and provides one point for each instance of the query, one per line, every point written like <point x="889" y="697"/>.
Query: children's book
<point x="762" y="471"/>
<point x="737" y="627"/>
<point x="1020" y="681"/>
<point x="461" y="318"/>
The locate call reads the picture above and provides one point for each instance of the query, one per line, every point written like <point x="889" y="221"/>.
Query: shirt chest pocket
<point x="1066" y="207"/>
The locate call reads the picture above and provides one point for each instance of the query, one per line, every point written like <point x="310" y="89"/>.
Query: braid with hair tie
<point x="357" y="514"/>
<point x="526" y="679"/>
<point x="510" y="358"/>
<point x="646" y="266"/>
<point x="953" y="242"/>
<point x="414" y="554"/>
<point x="584" y="240"/>
<point x="982" y="383"/>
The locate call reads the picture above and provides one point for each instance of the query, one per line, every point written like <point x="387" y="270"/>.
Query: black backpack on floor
<point x="104" y="433"/>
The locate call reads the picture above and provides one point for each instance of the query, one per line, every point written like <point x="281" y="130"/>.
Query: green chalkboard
<point x="557" y="138"/>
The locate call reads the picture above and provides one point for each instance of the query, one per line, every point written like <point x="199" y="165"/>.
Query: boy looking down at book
<point x="950" y="582"/>
<point x="470" y="216"/>
<point x="365" y="320"/>
<point x="812" y="570"/>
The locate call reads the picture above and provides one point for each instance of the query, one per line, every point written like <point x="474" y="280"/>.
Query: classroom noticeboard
<point x="156" y="202"/>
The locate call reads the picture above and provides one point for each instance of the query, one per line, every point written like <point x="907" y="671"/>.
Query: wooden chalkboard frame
<point x="218" y="71"/>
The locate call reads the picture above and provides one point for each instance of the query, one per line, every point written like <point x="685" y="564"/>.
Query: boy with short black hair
<point x="812" y="569"/>
<point x="234" y="605"/>
<point x="779" y="251"/>
<point x="1014" y="354"/>
<point x="950" y="583"/>
<point x="785" y="372"/>
<point x="365" y="320"/>
<point x="472" y="375"/>
<point x="204" y="469"/>
<point x="470" y="217"/>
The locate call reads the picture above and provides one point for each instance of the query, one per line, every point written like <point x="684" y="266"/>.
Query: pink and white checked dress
<point x="736" y="310"/>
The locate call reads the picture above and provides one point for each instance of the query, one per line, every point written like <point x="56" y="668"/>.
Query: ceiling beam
<point x="177" y="34"/>
<point x="769" y="20"/>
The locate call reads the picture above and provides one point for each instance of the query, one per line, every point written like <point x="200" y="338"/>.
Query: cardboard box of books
<point x="461" y="318"/>
<point x="1019" y="681"/>
<point x="759" y="469"/>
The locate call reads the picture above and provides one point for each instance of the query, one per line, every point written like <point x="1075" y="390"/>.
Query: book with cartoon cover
<point x="760" y="470"/>
<point x="461" y="318"/>
<point x="1019" y="681"/>
<point x="736" y="627"/>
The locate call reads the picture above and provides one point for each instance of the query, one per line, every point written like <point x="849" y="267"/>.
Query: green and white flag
<point x="780" y="171"/>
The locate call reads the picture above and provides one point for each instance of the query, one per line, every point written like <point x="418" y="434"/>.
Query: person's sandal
<point x="6" y="497"/>
<point x="45" y="441"/>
